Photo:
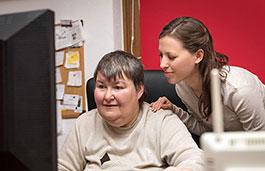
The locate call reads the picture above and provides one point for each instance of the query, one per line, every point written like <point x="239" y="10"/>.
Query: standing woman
<point x="187" y="57"/>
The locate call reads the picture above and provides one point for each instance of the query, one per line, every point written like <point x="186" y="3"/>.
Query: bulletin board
<point x="65" y="73"/>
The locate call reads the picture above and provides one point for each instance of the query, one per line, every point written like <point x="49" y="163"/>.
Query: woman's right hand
<point x="162" y="102"/>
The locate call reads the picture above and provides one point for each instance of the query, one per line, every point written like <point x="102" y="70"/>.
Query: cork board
<point x="73" y="90"/>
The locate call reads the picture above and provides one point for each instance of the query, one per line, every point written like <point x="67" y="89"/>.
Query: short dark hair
<point x="117" y="63"/>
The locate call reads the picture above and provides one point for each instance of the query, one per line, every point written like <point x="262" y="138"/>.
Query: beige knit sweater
<point x="155" y="141"/>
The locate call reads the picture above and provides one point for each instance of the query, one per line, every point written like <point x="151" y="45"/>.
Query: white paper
<point x="68" y="107"/>
<point x="68" y="36"/>
<point x="77" y="45"/>
<point x="59" y="117"/>
<point x="60" y="91"/>
<point x="72" y="102"/>
<point x="58" y="75"/>
<point x="74" y="78"/>
<point x="70" y="99"/>
<point x="59" y="58"/>
<point x="72" y="56"/>
<point x="78" y="108"/>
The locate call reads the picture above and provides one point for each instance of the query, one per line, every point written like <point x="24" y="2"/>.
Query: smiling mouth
<point x="109" y="105"/>
<point x="167" y="73"/>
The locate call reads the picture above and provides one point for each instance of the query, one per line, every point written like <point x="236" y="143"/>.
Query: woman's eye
<point x="118" y="87"/>
<point x="171" y="57"/>
<point x="100" y="86"/>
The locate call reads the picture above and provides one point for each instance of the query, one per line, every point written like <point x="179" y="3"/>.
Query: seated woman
<point x="123" y="133"/>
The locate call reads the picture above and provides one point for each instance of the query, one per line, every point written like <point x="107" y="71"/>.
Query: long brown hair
<point x="194" y="35"/>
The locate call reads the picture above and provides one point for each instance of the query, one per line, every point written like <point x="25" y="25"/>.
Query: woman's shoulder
<point x="160" y="115"/>
<point x="239" y="77"/>
<point x="147" y="110"/>
<point x="89" y="116"/>
<point x="241" y="83"/>
<point x="237" y="69"/>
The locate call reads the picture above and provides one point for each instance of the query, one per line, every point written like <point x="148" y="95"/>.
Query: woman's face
<point x="177" y="62"/>
<point x="117" y="101"/>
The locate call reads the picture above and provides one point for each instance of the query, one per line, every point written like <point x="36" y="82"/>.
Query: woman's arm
<point x="248" y="104"/>
<point x="195" y="125"/>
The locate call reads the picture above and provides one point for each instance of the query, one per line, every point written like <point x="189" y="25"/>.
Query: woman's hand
<point x="163" y="103"/>
<point x="176" y="169"/>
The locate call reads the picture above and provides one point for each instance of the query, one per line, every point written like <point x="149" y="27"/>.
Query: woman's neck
<point x="133" y="119"/>
<point x="195" y="82"/>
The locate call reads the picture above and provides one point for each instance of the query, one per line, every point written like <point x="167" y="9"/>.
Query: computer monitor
<point x="28" y="138"/>
<point x="230" y="151"/>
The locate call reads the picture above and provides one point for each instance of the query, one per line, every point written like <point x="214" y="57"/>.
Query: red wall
<point x="237" y="28"/>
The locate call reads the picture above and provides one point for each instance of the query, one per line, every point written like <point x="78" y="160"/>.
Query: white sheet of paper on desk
<point x="72" y="60"/>
<point x="60" y="91"/>
<point x="74" y="78"/>
<point x="59" y="58"/>
<point x="58" y="75"/>
<point x="70" y="99"/>
<point x="68" y="36"/>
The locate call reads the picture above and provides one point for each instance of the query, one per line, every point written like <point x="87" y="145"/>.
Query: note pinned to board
<point x="59" y="58"/>
<point x="70" y="99"/>
<point x="74" y="78"/>
<point x="72" y="102"/>
<point x="60" y="91"/>
<point x="72" y="60"/>
<point x="69" y="36"/>
<point x="58" y="75"/>
<point x="59" y="117"/>
<point x="78" y="108"/>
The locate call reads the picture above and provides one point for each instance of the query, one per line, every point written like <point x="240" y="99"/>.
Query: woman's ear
<point x="140" y="91"/>
<point x="199" y="56"/>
